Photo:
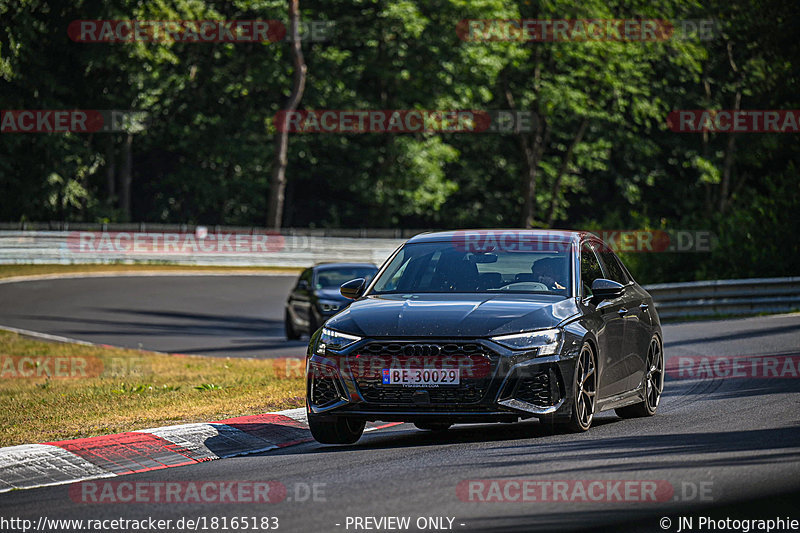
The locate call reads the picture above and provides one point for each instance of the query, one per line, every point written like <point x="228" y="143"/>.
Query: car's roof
<point x="541" y="234"/>
<point x="327" y="266"/>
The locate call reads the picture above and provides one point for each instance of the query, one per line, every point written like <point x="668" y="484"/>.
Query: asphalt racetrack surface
<point x="715" y="440"/>
<point x="221" y="316"/>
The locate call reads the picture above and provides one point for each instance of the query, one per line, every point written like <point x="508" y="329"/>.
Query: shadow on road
<point x="652" y="452"/>
<point x="726" y="389"/>
<point x="178" y="323"/>
<point x="761" y="331"/>
<point x="242" y="334"/>
<point x="389" y="439"/>
<point x="539" y="448"/>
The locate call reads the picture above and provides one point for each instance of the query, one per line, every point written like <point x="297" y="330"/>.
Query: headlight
<point x="547" y="340"/>
<point x="334" y="340"/>
<point x="328" y="306"/>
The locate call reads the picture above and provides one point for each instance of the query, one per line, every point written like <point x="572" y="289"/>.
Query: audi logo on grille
<point x="421" y="350"/>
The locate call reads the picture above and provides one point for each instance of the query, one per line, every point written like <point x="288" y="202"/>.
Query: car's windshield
<point x="333" y="277"/>
<point x="440" y="267"/>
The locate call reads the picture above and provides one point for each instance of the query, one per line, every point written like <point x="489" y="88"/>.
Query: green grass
<point x="110" y="390"/>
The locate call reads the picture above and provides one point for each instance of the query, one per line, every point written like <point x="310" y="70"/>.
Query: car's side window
<point x="590" y="269"/>
<point x="612" y="268"/>
<point x="305" y="276"/>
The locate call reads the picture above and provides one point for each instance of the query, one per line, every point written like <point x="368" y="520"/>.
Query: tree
<point x="278" y="181"/>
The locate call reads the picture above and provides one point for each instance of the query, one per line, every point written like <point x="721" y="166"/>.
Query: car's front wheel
<point x="288" y="326"/>
<point x="584" y="392"/>
<point x="329" y="429"/>
<point x="313" y="324"/>
<point x="653" y="384"/>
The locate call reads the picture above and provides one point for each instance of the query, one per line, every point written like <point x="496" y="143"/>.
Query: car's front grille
<point x="534" y="389"/>
<point x="324" y="390"/>
<point x="377" y="393"/>
<point x="475" y="362"/>
<point x="541" y="388"/>
<point x="423" y="348"/>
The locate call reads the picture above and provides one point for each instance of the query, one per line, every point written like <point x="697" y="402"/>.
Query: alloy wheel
<point x="654" y="380"/>
<point x="586" y="387"/>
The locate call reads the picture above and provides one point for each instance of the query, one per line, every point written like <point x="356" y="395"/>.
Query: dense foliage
<point x="601" y="156"/>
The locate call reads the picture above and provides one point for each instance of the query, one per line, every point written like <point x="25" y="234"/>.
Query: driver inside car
<point x="455" y="272"/>
<point x="547" y="272"/>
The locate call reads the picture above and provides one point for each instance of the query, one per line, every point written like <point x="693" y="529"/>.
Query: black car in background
<point x="316" y="296"/>
<point x="475" y="326"/>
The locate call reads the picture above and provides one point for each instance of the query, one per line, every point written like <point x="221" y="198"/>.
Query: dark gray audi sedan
<point x="487" y="325"/>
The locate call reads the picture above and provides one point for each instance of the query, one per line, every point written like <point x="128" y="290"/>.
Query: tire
<point x="312" y="323"/>
<point x="584" y="393"/>
<point x="335" y="429"/>
<point x="288" y="327"/>
<point x="433" y="426"/>
<point x="653" y="384"/>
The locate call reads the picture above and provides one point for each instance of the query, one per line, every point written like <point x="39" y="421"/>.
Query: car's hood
<point x="451" y="315"/>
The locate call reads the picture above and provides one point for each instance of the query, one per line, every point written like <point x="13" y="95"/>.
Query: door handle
<point x="622" y="311"/>
<point x="644" y="306"/>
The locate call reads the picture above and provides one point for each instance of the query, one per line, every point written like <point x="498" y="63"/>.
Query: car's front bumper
<point x="496" y="384"/>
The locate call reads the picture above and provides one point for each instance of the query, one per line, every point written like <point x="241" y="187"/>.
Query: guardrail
<point x="241" y="248"/>
<point x="144" y="227"/>
<point x="299" y="249"/>
<point x="726" y="297"/>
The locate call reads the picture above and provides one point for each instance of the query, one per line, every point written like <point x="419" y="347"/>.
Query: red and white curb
<point x="56" y="463"/>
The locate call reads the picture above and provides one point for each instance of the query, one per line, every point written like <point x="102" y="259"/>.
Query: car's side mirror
<point x="302" y="285"/>
<point x="354" y="288"/>
<point x="606" y="289"/>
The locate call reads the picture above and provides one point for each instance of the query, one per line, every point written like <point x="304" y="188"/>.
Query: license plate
<point x="420" y="376"/>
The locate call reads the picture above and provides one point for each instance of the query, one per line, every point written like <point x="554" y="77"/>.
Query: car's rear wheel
<point x="584" y="392"/>
<point x="653" y="384"/>
<point x="329" y="429"/>
<point x="433" y="426"/>
<point x="288" y="326"/>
